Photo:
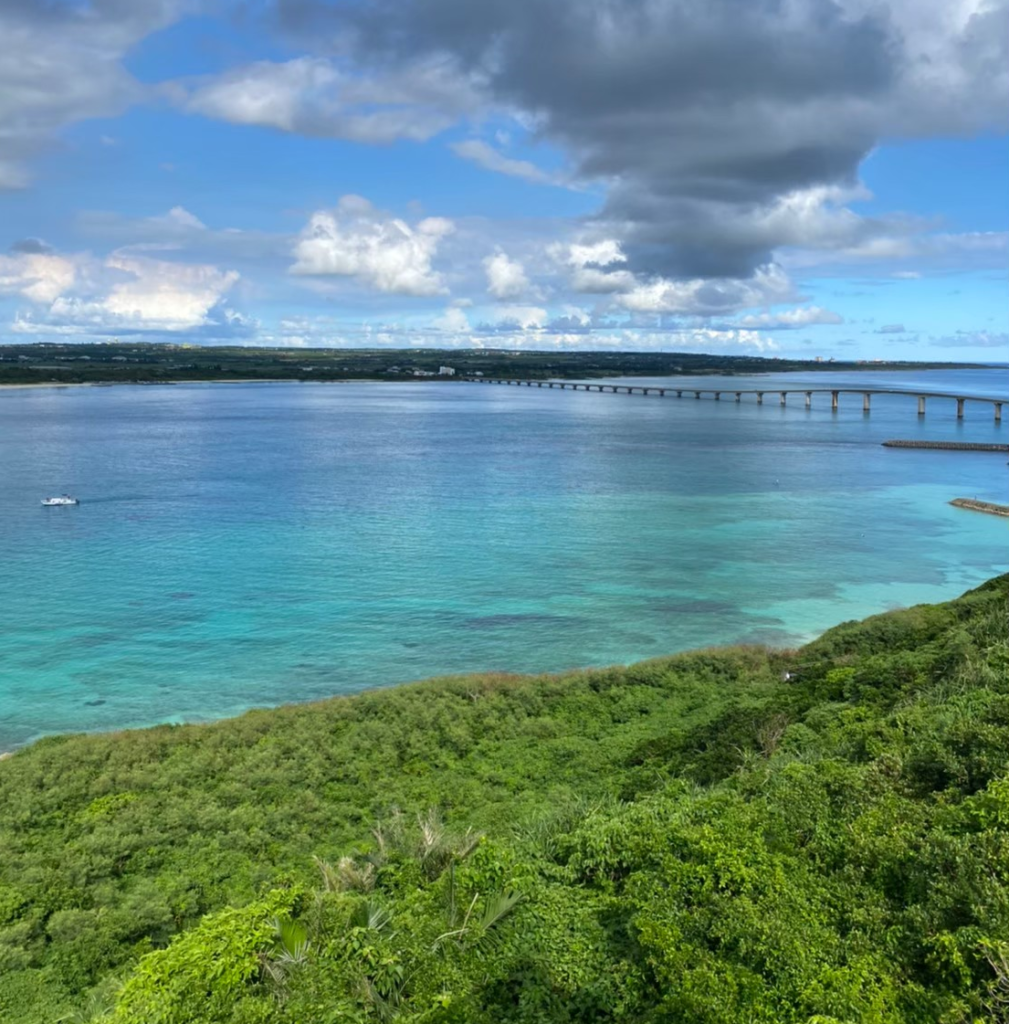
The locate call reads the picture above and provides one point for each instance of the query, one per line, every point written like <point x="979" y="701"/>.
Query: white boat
<point x="63" y="499"/>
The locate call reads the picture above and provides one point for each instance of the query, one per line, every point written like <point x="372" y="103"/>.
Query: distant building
<point x="478" y="373"/>
<point x="424" y="373"/>
<point x="446" y="371"/>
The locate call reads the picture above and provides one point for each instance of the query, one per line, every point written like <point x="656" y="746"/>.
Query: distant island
<point x="146" y="363"/>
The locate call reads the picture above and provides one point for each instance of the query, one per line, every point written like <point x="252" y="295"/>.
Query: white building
<point x="446" y="371"/>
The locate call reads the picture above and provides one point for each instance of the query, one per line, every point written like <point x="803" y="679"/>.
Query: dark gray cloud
<point x="31" y="246"/>
<point x="61" y="62"/>
<point x="705" y="120"/>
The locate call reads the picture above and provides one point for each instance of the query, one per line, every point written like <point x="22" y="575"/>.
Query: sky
<point x="780" y="177"/>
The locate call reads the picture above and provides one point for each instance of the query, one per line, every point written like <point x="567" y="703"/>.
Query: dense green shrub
<point x="721" y="836"/>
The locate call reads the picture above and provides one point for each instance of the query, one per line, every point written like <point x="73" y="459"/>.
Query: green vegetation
<point x="163" y="363"/>
<point x="817" y="836"/>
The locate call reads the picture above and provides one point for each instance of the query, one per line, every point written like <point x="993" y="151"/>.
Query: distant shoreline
<point x="170" y="381"/>
<point x="189" y="380"/>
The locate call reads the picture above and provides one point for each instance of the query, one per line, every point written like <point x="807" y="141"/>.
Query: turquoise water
<point x="246" y="545"/>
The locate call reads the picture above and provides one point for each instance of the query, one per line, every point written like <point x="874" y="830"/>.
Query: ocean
<point x="249" y="545"/>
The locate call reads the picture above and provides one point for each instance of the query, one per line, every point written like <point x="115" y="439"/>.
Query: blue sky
<point x="781" y="177"/>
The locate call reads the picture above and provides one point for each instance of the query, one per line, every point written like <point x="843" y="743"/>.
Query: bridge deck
<point x="698" y="390"/>
<point x="728" y="389"/>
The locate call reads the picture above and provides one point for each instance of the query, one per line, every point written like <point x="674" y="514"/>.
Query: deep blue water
<point x="246" y="545"/>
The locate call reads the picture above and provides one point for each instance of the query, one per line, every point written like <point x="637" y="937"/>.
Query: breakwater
<point x="954" y="446"/>
<point x="981" y="506"/>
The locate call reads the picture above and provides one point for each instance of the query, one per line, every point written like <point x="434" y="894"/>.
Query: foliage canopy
<point x="818" y="836"/>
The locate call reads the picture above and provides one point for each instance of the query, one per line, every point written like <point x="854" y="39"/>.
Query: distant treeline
<point x="721" y="837"/>
<point x="127" y="362"/>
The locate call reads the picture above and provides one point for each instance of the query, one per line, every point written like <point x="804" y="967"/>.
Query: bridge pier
<point x="833" y="401"/>
<point x="782" y="395"/>
<point x="697" y="394"/>
<point x="809" y="399"/>
<point x="959" y="408"/>
<point x="679" y="394"/>
<point x="739" y="396"/>
<point x="760" y="398"/>
<point x="718" y="396"/>
<point x="865" y="401"/>
<point x="998" y="412"/>
<point x="921" y="405"/>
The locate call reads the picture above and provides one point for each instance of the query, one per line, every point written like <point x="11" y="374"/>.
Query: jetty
<point x="981" y="506"/>
<point x="949" y="446"/>
<point x="679" y="390"/>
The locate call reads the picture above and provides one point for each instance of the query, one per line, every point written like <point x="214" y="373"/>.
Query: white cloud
<point x="41" y="277"/>
<point x="603" y="253"/>
<point x="586" y="263"/>
<point x="126" y="292"/>
<point x="802" y="316"/>
<point x="312" y="96"/>
<point x="486" y="156"/>
<point x="452" y="320"/>
<point x="593" y="281"/>
<point x="506" y="278"/>
<point x="179" y="217"/>
<point x="709" y="297"/>
<point x="164" y="295"/>
<point x="975" y="339"/>
<point x="356" y="240"/>
<point x="524" y="318"/>
<point x="901" y="241"/>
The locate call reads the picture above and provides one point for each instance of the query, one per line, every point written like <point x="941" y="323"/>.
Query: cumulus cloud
<point x="522" y="318"/>
<point x="589" y="266"/>
<point x="722" y="131"/>
<point x="38" y="276"/>
<point x="709" y="297"/>
<point x="356" y="240"/>
<point x="890" y="329"/>
<point x="506" y="278"/>
<point x="479" y="152"/>
<point x="126" y="292"/>
<point x="163" y="295"/>
<point x="313" y="96"/>
<point x="453" y="320"/>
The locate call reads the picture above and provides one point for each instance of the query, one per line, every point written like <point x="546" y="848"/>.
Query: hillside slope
<point x="728" y="835"/>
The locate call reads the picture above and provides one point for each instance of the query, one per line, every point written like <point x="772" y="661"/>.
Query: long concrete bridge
<point x="782" y="394"/>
